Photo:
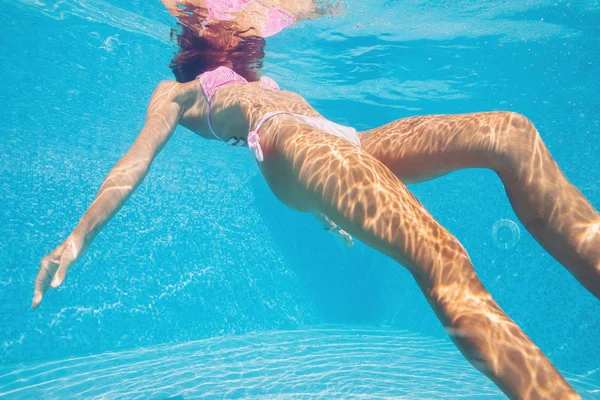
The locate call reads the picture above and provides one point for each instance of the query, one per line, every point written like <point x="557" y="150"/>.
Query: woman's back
<point x="235" y="107"/>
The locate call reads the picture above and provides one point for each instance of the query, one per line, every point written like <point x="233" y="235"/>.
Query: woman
<point x="354" y="182"/>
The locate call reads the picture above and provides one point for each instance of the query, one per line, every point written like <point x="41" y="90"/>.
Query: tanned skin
<point x="361" y="191"/>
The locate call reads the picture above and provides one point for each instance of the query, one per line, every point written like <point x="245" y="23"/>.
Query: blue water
<point x="204" y="285"/>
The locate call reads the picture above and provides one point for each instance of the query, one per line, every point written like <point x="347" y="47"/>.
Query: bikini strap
<point x="254" y="139"/>
<point x="212" y="80"/>
<point x="208" y="120"/>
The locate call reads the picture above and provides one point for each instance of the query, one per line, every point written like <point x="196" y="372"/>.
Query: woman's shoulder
<point x="177" y="90"/>
<point x="169" y="91"/>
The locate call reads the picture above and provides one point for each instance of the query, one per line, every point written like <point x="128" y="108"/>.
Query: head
<point x="216" y="44"/>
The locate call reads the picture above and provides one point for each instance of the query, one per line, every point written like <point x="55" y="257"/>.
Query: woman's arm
<point x="162" y="117"/>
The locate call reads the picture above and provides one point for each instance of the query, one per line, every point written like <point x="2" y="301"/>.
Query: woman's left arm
<point x="164" y="112"/>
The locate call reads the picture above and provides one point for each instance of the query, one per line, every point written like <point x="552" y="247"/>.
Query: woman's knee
<point x="517" y="139"/>
<point x="521" y="128"/>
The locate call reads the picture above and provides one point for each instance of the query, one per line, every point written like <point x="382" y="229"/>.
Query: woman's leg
<point x="551" y="208"/>
<point x="312" y="171"/>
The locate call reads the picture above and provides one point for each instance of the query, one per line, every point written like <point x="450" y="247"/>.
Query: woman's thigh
<point x="421" y="148"/>
<point x="552" y="209"/>
<point x="313" y="171"/>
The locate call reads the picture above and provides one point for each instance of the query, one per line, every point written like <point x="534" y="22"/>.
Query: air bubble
<point x="505" y="234"/>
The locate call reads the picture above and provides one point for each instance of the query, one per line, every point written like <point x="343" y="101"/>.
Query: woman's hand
<point x="54" y="266"/>
<point x="342" y="234"/>
<point x="332" y="227"/>
<point x="345" y="236"/>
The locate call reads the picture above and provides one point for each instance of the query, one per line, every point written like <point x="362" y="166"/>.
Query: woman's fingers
<point x="348" y="239"/>
<point x="66" y="261"/>
<point x="48" y="267"/>
<point x="54" y="267"/>
<point x="345" y="236"/>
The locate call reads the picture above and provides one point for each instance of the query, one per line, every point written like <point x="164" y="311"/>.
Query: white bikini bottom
<point x="321" y="124"/>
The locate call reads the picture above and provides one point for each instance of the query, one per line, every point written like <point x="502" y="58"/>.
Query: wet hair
<point x="198" y="54"/>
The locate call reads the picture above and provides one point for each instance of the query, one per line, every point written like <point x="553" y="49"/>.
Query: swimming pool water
<point x="203" y="255"/>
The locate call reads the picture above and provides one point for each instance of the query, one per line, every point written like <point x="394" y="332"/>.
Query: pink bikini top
<point x="210" y="81"/>
<point x="277" y="19"/>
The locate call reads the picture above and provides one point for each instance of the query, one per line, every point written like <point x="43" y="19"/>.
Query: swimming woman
<point x="355" y="182"/>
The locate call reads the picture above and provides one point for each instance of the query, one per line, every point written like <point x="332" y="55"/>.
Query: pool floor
<point x="320" y="362"/>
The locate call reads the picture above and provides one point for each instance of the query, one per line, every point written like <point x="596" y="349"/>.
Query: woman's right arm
<point x="164" y="112"/>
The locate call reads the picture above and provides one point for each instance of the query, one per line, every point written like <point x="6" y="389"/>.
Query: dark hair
<point x="197" y="54"/>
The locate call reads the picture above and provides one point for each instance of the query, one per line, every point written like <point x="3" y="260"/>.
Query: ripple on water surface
<point x="316" y="363"/>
